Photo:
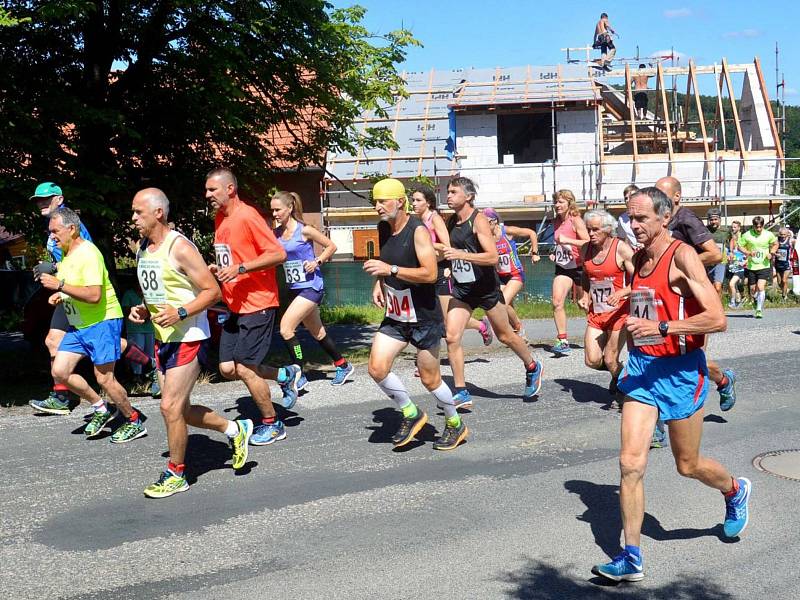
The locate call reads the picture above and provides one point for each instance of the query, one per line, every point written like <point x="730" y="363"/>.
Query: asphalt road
<point x="523" y="510"/>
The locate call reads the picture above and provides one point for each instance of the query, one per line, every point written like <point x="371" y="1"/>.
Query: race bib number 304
<point x="462" y="271"/>
<point x="400" y="305"/>
<point x="151" y="280"/>
<point x="294" y="271"/>
<point x="643" y="306"/>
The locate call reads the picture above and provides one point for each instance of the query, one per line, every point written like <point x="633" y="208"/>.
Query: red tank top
<point x="605" y="279"/>
<point x="652" y="298"/>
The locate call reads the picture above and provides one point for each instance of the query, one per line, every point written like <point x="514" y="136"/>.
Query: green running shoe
<point x="128" y="432"/>
<point x="98" y="421"/>
<point x="240" y="441"/>
<point x="54" y="404"/>
<point x="167" y="485"/>
<point x="759" y="314"/>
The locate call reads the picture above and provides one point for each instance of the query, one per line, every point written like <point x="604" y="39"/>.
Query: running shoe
<point x="486" y="331"/>
<point x="521" y="333"/>
<point x="451" y="437"/>
<point x="737" y="511"/>
<point x="462" y="399"/>
<point x="561" y="347"/>
<point x="732" y="304"/>
<point x="409" y="428"/>
<point x="342" y="374"/>
<point x="155" y="387"/>
<point x="613" y="387"/>
<point x="659" y="436"/>
<point x="759" y="314"/>
<point x="128" y="432"/>
<point x="624" y="567"/>
<point x="289" y="387"/>
<point x="97" y="422"/>
<point x="727" y="393"/>
<point x="266" y="434"/>
<point x="54" y="404"/>
<point x="167" y="485"/>
<point x="533" y="382"/>
<point x="239" y="442"/>
<point x="302" y="382"/>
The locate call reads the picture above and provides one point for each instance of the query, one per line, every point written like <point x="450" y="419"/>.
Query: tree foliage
<point x="108" y="96"/>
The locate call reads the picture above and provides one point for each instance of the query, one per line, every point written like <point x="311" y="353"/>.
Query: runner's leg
<point x="458" y="315"/>
<point x="593" y="344"/>
<point x="510" y="291"/>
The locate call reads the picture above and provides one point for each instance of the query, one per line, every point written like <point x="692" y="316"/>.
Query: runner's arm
<point x="525" y="232"/>
<point x="316" y="236"/>
<point x="692" y="275"/>
<point x="91" y="294"/>
<point x="426" y="255"/>
<point x="442" y="234"/>
<point x="487" y="258"/>
<point x="188" y="258"/>
<point x="580" y="230"/>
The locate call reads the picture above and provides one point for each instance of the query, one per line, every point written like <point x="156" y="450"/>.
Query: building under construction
<point x="522" y="133"/>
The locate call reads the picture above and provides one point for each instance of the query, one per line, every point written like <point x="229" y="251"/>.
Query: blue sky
<point x="469" y="33"/>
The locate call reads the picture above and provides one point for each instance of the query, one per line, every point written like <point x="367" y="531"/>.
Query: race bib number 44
<point x="643" y="306"/>
<point x="400" y="305"/>
<point x="462" y="271"/>
<point x="151" y="280"/>
<point x="294" y="271"/>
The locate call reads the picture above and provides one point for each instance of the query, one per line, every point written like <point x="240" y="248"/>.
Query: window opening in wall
<point x="370" y="249"/>
<point x="528" y="137"/>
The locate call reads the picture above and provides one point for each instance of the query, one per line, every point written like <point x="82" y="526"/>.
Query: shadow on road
<point x="204" y="454"/>
<point x="538" y="580"/>
<point x="247" y="410"/>
<point x="714" y="419"/>
<point x="388" y="420"/>
<point x="585" y="391"/>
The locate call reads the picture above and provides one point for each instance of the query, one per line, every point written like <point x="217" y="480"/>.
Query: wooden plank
<point x="425" y="124"/>
<point x="772" y="125"/>
<point x="734" y="111"/>
<point x="667" y="126"/>
<point x="632" y="112"/>
<point x="600" y="129"/>
<point x="693" y="78"/>
<point x="400" y="101"/>
<point x="720" y="111"/>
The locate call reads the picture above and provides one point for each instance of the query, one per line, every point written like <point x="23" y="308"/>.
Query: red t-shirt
<point x="240" y="237"/>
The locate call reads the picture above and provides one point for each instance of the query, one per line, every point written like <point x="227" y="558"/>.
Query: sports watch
<point x="182" y="313"/>
<point x="663" y="328"/>
<point x="394" y="269"/>
<point x="242" y="270"/>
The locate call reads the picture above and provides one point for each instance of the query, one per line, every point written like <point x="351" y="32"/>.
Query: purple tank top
<point x="299" y="251"/>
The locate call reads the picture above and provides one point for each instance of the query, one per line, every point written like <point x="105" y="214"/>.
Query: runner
<point x="404" y="286"/>
<point x="736" y="263"/>
<point x="722" y="238"/>
<point x="473" y="255"/>
<point x="246" y="255"/>
<point x="686" y="227"/>
<point x="178" y="288"/>
<point x="607" y="269"/>
<point x="673" y="306"/>
<point x="509" y="266"/>
<point x="624" y="231"/>
<point x="783" y="266"/>
<point x="569" y="235"/>
<point x="758" y="245"/>
<point x="423" y="201"/>
<point x="304" y="280"/>
<point x="95" y="326"/>
<point x="49" y="197"/>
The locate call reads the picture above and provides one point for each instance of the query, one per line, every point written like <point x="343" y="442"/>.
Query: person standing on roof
<point x="602" y="40"/>
<point x="640" y="92"/>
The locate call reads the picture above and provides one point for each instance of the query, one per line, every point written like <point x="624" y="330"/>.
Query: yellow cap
<point x="388" y="189"/>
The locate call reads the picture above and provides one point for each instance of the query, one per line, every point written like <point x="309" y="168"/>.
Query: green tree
<point x="105" y="97"/>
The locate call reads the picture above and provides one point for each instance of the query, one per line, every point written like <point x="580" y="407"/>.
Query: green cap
<point x="46" y="190"/>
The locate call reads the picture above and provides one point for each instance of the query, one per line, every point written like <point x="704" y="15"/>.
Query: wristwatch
<point x="182" y="313"/>
<point x="60" y="285"/>
<point x="242" y="270"/>
<point x="394" y="269"/>
<point x="663" y="328"/>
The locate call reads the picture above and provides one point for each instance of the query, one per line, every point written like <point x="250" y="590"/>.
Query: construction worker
<point x="604" y="42"/>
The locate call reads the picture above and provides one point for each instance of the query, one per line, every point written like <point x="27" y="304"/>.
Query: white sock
<point x="394" y="388"/>
<point x="232" y="430"/>
<point x="100" y="406"/>
<point x="760" y="296"/>
<point x="444" y="400"/>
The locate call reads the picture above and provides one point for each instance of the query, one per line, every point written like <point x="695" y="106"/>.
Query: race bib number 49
<point x="223" y="255"/>
<point x="294" y="271"/>
<point x="151" y="280"/>
<point x="643" y="306"/>
<point x="400" y="305"/>
<point x="462" y="271"/>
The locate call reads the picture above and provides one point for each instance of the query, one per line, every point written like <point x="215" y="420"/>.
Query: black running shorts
<point x="423" y="336"/>
<point x="59" y="319"/>
<point x="246" y="339"/>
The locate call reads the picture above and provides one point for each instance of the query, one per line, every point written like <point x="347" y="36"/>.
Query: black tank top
<point x="400" y="250"/>
<point x="462" y="237"/>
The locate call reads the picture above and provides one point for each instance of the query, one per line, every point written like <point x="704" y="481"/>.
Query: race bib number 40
<point x="643" y="306"/>
<point x="400" y="305"/>
<point x="151" y="280"/>
<point x="294" y="271"/>
<point x="504" y="264"/>
<point x="462" y="271"/>
<point x="601" y="291"/>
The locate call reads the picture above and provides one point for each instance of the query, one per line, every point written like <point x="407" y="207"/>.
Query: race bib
<point x="600" y="291"/>
<point x="151" y="280"/>
<point x="294" y="271"/>
<point x="564" y="257"/>
<point x="781" y="255"/>
<point x="643" y="306"/>
<point x="758" y="255"/>
<point x="73" y="316"/>
<point x="462" y="271"/>
<point x="399" y="305"/>
<point x="223" y="255"/>
<point x="504" y="264"/>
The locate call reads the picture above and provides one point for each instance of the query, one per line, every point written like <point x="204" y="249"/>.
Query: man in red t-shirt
<point x="246" y="254"/>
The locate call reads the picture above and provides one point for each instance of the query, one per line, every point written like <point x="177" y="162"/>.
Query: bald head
<point x="672" y="190"/>
<point x="155" y="198"/>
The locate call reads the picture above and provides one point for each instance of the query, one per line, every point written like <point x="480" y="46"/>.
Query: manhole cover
<point x="783" y="463"/>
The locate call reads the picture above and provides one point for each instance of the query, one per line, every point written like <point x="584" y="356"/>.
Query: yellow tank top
<point x="162" y="282"/>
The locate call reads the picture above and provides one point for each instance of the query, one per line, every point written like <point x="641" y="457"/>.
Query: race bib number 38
<point x="462" y="270"/>
<point x="294" y="271"/>
<point x="151" y="280"/>
<point x="643" y="306"/>
<point x="400" y="305"/>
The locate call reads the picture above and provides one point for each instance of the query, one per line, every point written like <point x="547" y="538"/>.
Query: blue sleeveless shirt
<point x="299" y="251"/>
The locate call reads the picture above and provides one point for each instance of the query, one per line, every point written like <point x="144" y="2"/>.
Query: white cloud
<point x="680" y="57"/>
<point x="677" y="13"/>
<point x="744" y="33"/>
<point x="790" y="91"/>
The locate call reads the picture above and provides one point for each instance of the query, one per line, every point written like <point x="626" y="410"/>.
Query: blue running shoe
<point x="533" y="382"/>
<point x="462" y="399"/>
<point x="302" y="382"/>
<point x="289" y="386"/>
<point x="659" y="436"/>
<point x="342" y="373"/>
<point x="624" y="567"/>
<point x="264" y="435"/>
<point x="737" y="511"/>
<point x="561" y="347"/>
<point x="727" y="394"/>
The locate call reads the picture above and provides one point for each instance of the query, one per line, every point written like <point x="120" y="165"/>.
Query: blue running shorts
<point x="100" y="342"/>
<point x="676" y="385"/>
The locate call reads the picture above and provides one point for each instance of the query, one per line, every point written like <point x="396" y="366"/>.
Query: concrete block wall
<point x="576" y="136"/>
<point x="476" y="139"/>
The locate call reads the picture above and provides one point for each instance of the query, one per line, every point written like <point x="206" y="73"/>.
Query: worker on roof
<point x="603" y="40"/>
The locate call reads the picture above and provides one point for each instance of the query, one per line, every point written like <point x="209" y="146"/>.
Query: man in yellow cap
<point x="405" y="287"/>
